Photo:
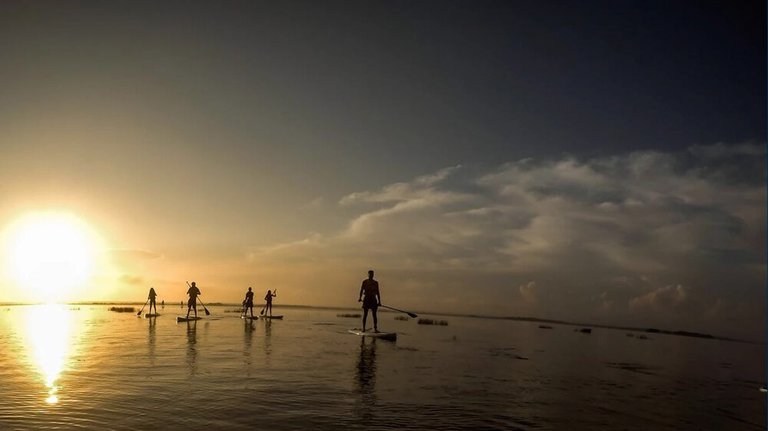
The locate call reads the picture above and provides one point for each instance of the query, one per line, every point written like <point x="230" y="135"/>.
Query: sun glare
<point x="50" y="253"/>
<point x="48" y="339"/>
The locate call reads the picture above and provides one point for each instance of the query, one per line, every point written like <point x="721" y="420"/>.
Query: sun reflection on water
<point x="47" y="334"/>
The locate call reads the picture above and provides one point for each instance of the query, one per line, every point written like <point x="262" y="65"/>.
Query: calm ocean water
<point x="68" y="367"/>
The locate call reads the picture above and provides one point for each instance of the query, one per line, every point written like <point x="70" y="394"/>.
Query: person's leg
<point x="189" y="308"/>
<point x="195" y="308"/>
<point x="365" y="317"/>
<point x="375" y="320"/>
<point x="251" y="307"/>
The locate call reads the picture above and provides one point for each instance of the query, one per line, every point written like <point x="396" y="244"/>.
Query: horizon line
<point x="647" y="329"/>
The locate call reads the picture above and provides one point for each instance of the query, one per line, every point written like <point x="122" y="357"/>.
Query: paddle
<point x="207" y="313"/>
<point x="142" y="307"/>
<point x="414" y="315"/>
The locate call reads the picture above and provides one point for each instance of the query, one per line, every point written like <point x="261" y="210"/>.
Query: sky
<point x="594" y="161"/>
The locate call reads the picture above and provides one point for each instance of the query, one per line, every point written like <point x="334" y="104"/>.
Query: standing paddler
<point x="193" y="293"/>
<point x="248" y="303"/>
<point x="268" y="305"/>
<point x="371" y="300"/>
<point x="151" y="297"/>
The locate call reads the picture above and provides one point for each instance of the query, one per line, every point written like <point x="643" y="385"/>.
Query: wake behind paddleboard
<point x="390" y="336"/>
<point x="271" y="317"/>
<point x="187" y="319"/>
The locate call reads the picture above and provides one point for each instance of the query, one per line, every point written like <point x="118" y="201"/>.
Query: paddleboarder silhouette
<point x="151" y="297"/>
<point x="193" y="292"/>
<point x="371" y="300"/>
<point x="268" y="298"/>
<point x="248" y="303"/>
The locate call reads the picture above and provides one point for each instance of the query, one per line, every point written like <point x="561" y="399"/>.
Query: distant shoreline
<point x="474" y="316"/>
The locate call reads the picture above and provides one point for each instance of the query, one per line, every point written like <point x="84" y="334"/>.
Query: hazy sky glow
<point x="598" y="161"/>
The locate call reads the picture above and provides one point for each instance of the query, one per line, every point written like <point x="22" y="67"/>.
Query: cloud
<point x="423" y="187"/>
<point x="133" y="255"/>
<point x="131" y="280"/>
<point x="618" y="226"/>
<point x="528" y="292"/>
<point x="664" y="298"/>
<point x="314" y="205"/>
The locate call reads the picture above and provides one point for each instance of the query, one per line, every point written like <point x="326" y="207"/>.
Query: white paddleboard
<point x="187" y="319"/>
<point x="391" y="336"/>
<point x="272" y="317"/>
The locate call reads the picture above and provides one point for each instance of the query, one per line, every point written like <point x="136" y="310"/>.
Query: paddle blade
<point x="413" y="315"/>
<point x="139" y="313"/>
<point x="207" y="313"/>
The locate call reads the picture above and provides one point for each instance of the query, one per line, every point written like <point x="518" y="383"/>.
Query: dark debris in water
<point x="502" y="352"/>
<point x="433" y="322"/>
<point x="632" y="367"/>
<point x="122" y="309"/>
<point x="352" y="316"/>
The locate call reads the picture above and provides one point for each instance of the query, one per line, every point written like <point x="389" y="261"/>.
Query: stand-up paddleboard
<point x="151" y="315"/>
<point x="391" y="336"/>
<point x="272" y="317"/>
<point x="187" y="319"/>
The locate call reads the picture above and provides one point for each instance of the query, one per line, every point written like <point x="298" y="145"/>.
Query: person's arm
<point x="378" y="293"/>
<point x="360" y="297"/>
<point x="274" y="294"/>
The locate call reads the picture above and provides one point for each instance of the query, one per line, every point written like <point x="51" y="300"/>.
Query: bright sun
<point x="50" y="253"/>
